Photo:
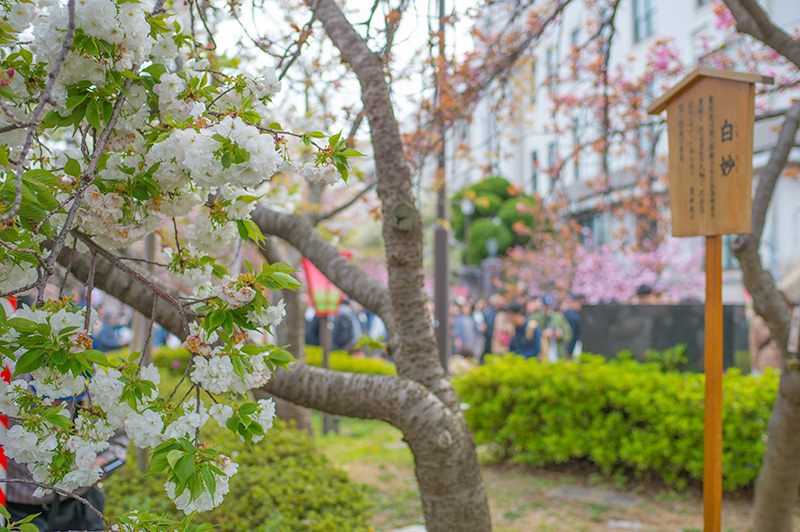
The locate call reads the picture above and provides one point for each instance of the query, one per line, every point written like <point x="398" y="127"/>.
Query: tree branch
<point x="298" y="232"/>
<point x="317" y="218"/>
<point x="753" y="20"/>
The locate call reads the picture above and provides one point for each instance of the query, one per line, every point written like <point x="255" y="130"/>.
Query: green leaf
<point x="29" y="361"/>
<point x="98" y="357"/>
<point x="352" y="153"/>
<point x="173" y="456"/>
<point x="214" y="319"/>
<point x="247" y="409"/>
<point x="93" y="114"/>
<point x="316" y="135"/>
<point x="334" y="140"/>
<point x="73" y="168"/>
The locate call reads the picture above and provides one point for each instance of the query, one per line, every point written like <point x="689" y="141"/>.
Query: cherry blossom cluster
<point x="116" y="125"/>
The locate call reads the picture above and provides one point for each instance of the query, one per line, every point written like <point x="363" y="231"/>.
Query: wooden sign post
<point x="710" y="115"/>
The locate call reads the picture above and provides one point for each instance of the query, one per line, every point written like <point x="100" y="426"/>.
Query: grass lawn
<point x="521" y="499"/>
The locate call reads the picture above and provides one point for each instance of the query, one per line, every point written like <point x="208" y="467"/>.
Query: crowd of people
<point x="532" y="327"/>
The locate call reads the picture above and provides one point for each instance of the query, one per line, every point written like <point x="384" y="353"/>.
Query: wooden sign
<point x="710" y="116"/>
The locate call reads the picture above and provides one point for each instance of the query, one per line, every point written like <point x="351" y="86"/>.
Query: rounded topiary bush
<point x="479" y="232"/>
<point x="518" y="210"/>
<point x="284" y="484"/>
<point x="496" y="185"/>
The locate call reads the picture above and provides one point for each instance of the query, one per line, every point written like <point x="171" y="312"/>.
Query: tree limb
<point x="753" y="20"/>
<point x="298" y="232"/>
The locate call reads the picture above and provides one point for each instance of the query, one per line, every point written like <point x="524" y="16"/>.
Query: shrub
<point x="342" y="361"/>
<point x="622" y="416"/>
<point x="283" y="484"/>
<point x="482" y="230"/>
<point x="518" y="210"/>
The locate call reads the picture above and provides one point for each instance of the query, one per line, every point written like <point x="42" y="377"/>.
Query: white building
<point x="526" y="146"/>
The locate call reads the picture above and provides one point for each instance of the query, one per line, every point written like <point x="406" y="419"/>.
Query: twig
<point x="60" y="492"/>
<point x="69" y="267"/>
<point x="44" y="98"/>
<point x="333" y="212"/>
<point x="89" y="290"/>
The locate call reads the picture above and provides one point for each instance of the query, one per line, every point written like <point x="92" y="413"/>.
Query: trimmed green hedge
<point x="624" y="417"/>
<point x="343" y="361"/>
<point x="284" y="484"/>
<point x="176" y="360"/>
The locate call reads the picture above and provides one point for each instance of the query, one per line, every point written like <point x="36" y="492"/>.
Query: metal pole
<point x="441" y="234"/>
<point x="328" y="423"/>
<point x="712" y="472"/>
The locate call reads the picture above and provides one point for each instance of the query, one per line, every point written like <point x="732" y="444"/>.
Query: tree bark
<point x="447" y="469"/>
<point x="291" y="333"/>
<point x="779" y="479"/>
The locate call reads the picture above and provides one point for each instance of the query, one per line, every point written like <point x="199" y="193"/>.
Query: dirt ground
<point x="526" y="499"/>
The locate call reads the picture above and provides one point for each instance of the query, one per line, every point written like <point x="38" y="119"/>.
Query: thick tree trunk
<point x="443" y="447"/>
<point x="291" y="333"/>
<point x="453" y="497"/>
<point x="779" y="479"/>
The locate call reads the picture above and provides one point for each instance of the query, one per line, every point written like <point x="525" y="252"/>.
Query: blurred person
<point x="764" y="350"/>
<point x="527" y="337"/>
<point x="346" y="327"/>
<point x="645" y="295"/>
<point x="556" y="330"/>
<point x="502" y="332"/>
<point x="572" y="307"/>
<point x="495" y="303"/>
<point x="56" y="512"/>
<point x="465" y="333"/>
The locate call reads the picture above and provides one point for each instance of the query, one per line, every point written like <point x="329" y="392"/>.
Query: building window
<point x="593" y="230"/>
<point x="551" y="158"/>
<point x="535" y="172"/>
<point x="644" y="19"/>
<point x="575" y="37"/>
<point x="551" y="68"/>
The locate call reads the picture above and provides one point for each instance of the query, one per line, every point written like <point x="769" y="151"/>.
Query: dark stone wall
<point x="608" y="329"/>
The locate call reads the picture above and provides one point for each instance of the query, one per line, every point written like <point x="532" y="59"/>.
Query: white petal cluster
<point x="194" y="416"/>
<point x="325" y="174"/>
<point x="216" y="374"/>
<point x="269" y="316"/>
<point x="233" y="293"/>
<point x="267" y="85"/>
<point x="264" y="416"/>
<point x="205" y="501"/>
<point x="13" y="276"/>
<point x="208" y="237"/>
<point x="191" y="276"/>
<point x="102" y="216"/>
<point x="191" y="152"/>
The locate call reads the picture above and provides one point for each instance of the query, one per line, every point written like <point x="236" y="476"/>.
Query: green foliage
<point x="482" y="230"/>
<point x="670" y="359"/>
<point x="518" y="211"/>
<point x="283" y="484"/>
<point x="492" y="199"/>
<point x="342" y="361"/>
<point x="496" y="185"/>
<point x="622" y="416"/>
<point x="176" y="361"/>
